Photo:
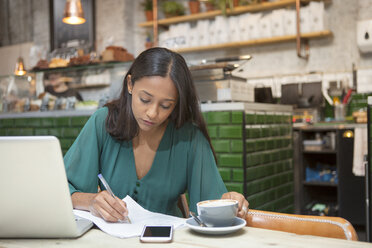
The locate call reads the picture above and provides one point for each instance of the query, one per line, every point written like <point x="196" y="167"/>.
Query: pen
<point x="105" y="184"/>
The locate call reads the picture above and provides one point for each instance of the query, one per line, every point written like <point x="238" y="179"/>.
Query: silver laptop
<point x="34" y="197"/>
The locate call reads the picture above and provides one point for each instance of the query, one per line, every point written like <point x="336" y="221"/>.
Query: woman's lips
<point x="149" y="123"/>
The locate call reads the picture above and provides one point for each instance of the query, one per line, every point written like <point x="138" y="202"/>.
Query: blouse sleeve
<point x="204" y="179"/>
<point x="83" y="158"/>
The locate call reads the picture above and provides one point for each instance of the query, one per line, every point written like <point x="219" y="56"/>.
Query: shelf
<point x="87" y="86"/>
<point x="264" y="41"/>
<point x="84" y="67"/>
<point x="325" y="151"/>
<point x="325" y="184"/>
<point x="237" y="10"/>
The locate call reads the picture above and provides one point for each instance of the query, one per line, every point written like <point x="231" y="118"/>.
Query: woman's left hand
<point x="243" y="203"/>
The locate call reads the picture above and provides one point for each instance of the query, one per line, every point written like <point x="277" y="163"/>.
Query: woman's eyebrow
<point x="167" y="99"/>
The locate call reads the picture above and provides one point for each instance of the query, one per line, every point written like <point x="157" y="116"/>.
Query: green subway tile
<point x="62" y="122"/>
<point x="278" y="143"/>
<point x="253" y="187"/>
<point x="266" y="184"/>
<point x="3" y="132"/>
<point x="230" y="160"/>
<point x="270" y="144"/>
<point x="205" y="116"/>
<point x="223" y="117"/>
<point x="14" y="132"/>
<point x="250" y="146"/>
<point x="286" y="142"/>
<point x="276" y="180"/>
<point x="283" y="154"/>
<point x="275" y="131"/>
<point x="225" y="174"/>
<point x="70" y="132"/>
<point x="33" y="122"/>
<point x="265" y="132"/>
<point x="230" y="131"/>
<point x="238" y="175"/>
<point x="27" y="131"/>
<point x="251" y="173"/>
<point x="278" y="167"/>
<point x="250" y="119"/>
<point x="21" y="122"/>
<point x="278" y="119"/>
<point x="289" y="153"/>
<point x="270" y="169"/>
<point x="236" y="146"/>
<point x="260" y="145"/>
<point x="253" y="133"/>
<point x="253" y="159"/>
<point x="237" y="117"/>
<point x="47" y="122"/>
<point x="238" y="187"/>
<point x="260" y="119"/>
<point x="213" y="131"/>
<point x="65" y="143"/>
<point x="6" y="123"/>
<point x="41" y="131"/>
<point x="221" y="145"/>
<point x="252" y="199"/>
<point x="266" y="157"/>
<point x="275" y="156"/>
<point x="79" y="121"/>
<point x="55" y="132"/>
<point x="269" y="119"/>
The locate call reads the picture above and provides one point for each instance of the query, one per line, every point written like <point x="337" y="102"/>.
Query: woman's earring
<point x="130" y="92"/>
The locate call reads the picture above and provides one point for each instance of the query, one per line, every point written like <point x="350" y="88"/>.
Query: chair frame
<point x="325" y="226"/>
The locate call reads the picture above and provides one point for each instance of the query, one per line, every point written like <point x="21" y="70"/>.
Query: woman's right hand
<point x="109" y="208"/>
<point x="102" y="204"/>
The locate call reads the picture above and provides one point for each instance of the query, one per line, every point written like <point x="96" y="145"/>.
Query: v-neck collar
<point x="154" y="162"/>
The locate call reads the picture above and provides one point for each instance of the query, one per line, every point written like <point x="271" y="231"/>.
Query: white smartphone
<point x="157" y="234"/>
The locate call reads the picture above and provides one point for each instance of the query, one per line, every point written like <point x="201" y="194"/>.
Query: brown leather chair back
<point x="332" y="227"/>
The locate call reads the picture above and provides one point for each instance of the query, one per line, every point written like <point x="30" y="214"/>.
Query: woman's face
<point x="153" y="100"/>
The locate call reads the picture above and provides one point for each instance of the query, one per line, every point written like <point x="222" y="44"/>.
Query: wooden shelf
<point x="87" y="86"/>
<point x="237" y="10"/>
<point x="325" y="151"/>
<point x="237" y="44"/>
<point x="315" y="183"/>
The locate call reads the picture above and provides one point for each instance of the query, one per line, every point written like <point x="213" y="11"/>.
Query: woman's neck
<point x="151" y="138"/>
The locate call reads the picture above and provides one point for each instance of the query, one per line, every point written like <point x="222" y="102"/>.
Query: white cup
<point x="218" y="213"/>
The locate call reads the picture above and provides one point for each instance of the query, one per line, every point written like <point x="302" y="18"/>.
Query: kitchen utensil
<point x="201" y="223"/>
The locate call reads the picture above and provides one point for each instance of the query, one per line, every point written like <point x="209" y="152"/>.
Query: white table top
<point x="246" y="237"/>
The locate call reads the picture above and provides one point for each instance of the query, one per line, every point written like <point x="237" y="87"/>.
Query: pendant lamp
<point x="73" y="13"/>
<point x="20" y="67"/>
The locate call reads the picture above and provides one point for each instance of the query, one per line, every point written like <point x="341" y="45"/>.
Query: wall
<point x="326" y="55"/>
<point x="116" y="23"/>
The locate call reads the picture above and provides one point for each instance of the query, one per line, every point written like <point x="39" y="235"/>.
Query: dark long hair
<point x="120" y="122"/>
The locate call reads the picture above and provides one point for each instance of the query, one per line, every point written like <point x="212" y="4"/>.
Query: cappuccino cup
<point x="218" y="213"/>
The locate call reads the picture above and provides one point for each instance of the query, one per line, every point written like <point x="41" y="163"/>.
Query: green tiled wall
<point x="65" y="128"/>
<point x="269" y="156"/>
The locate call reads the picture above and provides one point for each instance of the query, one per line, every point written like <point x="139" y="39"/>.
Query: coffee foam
<point x="217" y="203"/>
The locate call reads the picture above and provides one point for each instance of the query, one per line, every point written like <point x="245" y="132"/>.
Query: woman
<point x="151" y="144"/>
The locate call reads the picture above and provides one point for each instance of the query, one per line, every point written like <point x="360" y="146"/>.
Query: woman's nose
<point x="152" y="111"/>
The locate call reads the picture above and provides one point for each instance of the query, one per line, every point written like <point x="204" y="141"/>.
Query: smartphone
<point x="157" y="234"/>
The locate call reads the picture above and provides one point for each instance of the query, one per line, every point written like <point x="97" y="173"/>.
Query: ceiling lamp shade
<point x="20" y="67"/>
<point x="73" y="13"/>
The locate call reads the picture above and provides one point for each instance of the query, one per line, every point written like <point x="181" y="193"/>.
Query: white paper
<point x="138" y="216"/>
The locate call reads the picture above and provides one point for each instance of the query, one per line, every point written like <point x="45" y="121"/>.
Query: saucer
<point x="238" y="223"/>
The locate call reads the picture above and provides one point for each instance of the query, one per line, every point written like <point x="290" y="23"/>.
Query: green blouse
<point x="183" y="161"/>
